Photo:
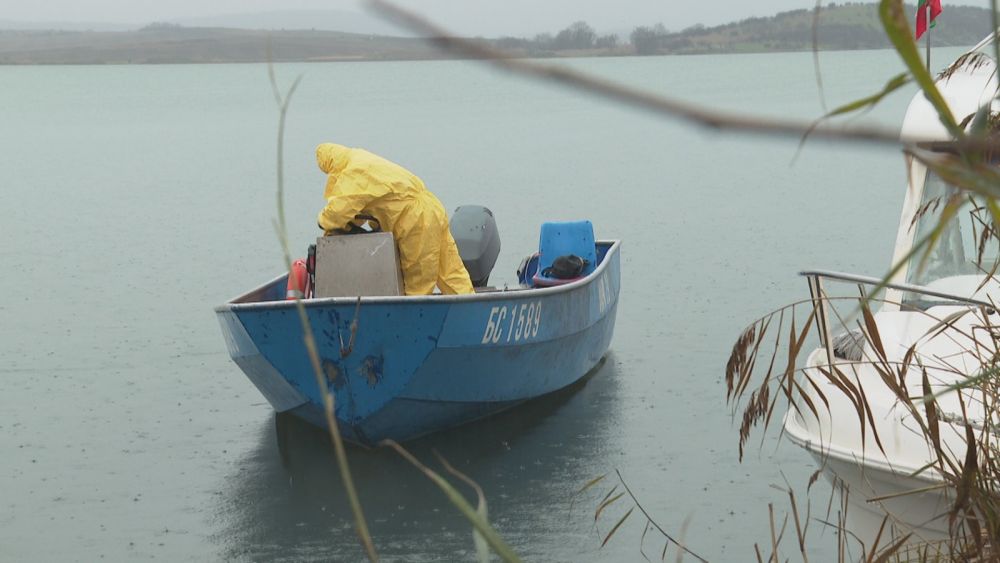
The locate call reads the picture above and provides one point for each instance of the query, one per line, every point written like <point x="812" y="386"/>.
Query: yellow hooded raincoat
<point x="359" y="182"/>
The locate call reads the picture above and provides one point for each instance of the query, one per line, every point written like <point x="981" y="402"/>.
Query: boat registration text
<point x="513" y="323"/>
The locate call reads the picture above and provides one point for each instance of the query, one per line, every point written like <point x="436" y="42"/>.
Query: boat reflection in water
<point x="287" y="500"/>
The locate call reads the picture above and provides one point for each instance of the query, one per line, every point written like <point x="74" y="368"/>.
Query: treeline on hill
<point x="847" y="26"/>
<point x="577" y="37"/>
<point x="841" y="27"/>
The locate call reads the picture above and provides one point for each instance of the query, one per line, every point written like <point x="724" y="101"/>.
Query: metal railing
<point x="880" y="283"/>
<point x="819" y="297"/>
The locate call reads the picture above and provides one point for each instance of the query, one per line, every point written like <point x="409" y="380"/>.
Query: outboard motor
<point x="478" y="240"/>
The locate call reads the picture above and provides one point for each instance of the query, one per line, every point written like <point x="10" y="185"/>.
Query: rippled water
<point x="135" y="199"/>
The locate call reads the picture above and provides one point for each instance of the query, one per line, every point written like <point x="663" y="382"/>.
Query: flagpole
<point x="927" y="6"/>
<point x="925" y="21"/>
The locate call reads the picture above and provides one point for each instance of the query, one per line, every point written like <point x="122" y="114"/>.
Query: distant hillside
<point x="343" y="20"/>
<point x="841" y="27"/>
<point x="24" y="25"/>
<point x="175" y="44"/>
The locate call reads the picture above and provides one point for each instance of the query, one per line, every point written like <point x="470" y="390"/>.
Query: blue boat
<point x="418" y="364"/>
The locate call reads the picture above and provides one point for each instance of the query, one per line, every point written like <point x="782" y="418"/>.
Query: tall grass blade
<point x="930" y="407"/>
<point x="616" y="526"/>
<point x="866" y="103"/>
<point x="482" y="548"/>
<point x="607" y="500"/>
<point x="894" y="83"/>
<point x="897" y="29"/>
<point x="587" y="486"/>
<point x="799" y="529"/>
<point x="642" y="540"/>
<point x="360" y="524"/>
<point x="893" y="549"/>
<point x="491" y="536"/>
<point x="605" y="504"/>
<point x="591" y="483"/>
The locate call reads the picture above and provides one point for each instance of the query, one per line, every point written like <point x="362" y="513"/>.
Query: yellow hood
<point x="331" y="157"/>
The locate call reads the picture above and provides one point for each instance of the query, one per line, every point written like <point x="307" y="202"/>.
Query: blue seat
<point x="562" y="238"/>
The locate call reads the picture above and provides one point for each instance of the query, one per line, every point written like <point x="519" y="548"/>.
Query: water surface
<point x="135" y="199"/>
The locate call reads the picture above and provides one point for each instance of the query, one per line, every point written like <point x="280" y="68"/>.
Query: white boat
<point x="936" y="319"/>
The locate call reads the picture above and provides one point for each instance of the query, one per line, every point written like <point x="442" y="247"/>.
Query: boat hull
<point x="889" y="464"/>
<point x="415" y="365"/>
<point x="909" y="505"/>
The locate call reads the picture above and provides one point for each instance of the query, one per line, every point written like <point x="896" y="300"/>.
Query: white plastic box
<point x="357" y="265"/>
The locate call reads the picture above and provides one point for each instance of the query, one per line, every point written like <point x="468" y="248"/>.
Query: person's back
<point x="362" y="183"/>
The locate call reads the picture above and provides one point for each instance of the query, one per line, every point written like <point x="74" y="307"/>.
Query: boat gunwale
<point x="519" y="293"/>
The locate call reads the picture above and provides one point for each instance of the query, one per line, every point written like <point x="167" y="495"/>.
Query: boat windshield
<point x="966" y="251"/>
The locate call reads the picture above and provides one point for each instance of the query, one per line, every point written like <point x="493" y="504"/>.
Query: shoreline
<point x="391" y="59"/>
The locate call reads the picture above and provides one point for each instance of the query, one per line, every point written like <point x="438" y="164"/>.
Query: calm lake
<point x="135" y="199"/>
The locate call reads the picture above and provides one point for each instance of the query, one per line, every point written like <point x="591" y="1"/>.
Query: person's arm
<point x="349" y="195"/>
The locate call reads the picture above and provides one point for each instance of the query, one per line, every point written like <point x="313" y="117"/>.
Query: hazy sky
<point x="471" y="17"/>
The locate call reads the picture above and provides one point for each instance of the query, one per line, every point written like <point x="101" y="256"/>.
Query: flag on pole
<point x="922" y="14"/>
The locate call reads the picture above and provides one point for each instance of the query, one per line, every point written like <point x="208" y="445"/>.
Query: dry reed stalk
<point x="360" y="524"/>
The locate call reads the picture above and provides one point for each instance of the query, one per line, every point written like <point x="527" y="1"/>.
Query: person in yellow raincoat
<point x="361" y="183"/>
